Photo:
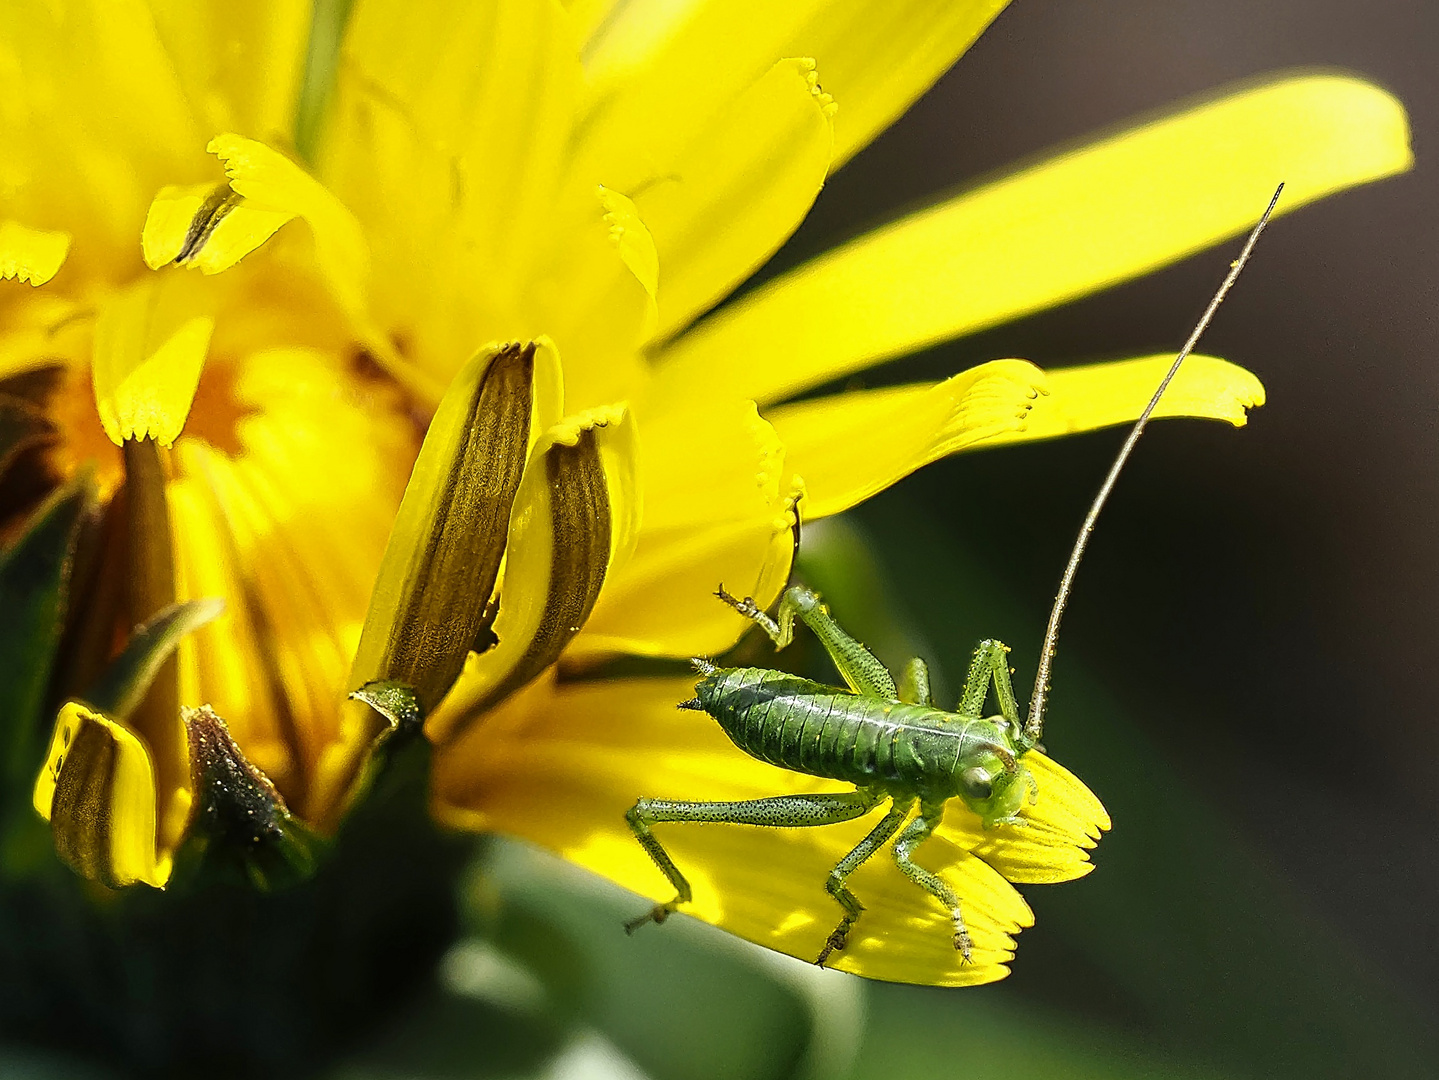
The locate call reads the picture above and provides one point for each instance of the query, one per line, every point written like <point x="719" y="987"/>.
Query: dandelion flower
<point x="247" y="344"/>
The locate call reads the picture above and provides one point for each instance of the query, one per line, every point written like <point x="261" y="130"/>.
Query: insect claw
<point x="657" y="914"/>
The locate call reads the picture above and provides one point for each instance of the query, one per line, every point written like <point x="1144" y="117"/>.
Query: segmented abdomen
<point x="816" y="729"/>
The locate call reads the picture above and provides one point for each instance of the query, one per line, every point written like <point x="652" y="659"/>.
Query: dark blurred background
<point x="1247" y="663"/>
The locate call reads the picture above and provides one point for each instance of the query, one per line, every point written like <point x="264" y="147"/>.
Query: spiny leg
<point x="991" y="661"/>
<point x="779" y="811"/>
<point x="914" y="683"/>
<point x="915" y="833"/>
<point x="860" y="667"/>
<point x="835" y="884"/>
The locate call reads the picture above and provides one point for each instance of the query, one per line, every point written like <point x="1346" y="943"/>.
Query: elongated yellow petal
<point x="32" y="255"/>
<point x="150" y="345"/>
<point x="561" y="766"/>
<point x="1081" y="221"/>
<point x="879" y="56"/>
<point x="1101" y="395"/>
<point x="97" y="790"/>
<point x="575" y="516"/>
<point x="713" y="223"/>
<point x="852" y="446"/>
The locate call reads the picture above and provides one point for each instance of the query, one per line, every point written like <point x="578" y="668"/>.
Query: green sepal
<point x="128" y="677"/>
<point x="399" y="751"/>
<point x="34" y="586"/>
<point x="240" y="828"/>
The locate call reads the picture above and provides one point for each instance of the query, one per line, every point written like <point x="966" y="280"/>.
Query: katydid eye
<point x="978" y="784"/>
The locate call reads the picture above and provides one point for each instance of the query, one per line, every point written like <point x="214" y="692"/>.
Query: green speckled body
<point x="868" y="741"/>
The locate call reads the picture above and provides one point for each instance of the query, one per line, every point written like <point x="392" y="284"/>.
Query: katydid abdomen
<point x="903" y="748"/>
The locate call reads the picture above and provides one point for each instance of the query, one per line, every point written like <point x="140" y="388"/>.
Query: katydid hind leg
<point x="779" y="811"/>
<point x="914" y="834"/>
<point x="861" y="669"/>
<point x="836" y="885"/>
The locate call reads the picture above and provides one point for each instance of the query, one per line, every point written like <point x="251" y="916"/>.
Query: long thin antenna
<point x="1034" y="725"/>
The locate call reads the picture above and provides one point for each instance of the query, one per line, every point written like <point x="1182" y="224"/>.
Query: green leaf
<point x="34" y="583"/>
<point x="125" y="682"/>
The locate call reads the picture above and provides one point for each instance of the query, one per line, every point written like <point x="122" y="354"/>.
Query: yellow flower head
<point x="532" y="205"/>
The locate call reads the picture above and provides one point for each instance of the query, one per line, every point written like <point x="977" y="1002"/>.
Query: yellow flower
<point x="250" y="345"/>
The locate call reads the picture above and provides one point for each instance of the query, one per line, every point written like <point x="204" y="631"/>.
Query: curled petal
<point x="575" y="517"/>
<point x="97" y="790"/>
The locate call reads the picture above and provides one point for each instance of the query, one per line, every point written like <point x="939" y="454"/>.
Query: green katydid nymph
<point x="888" y="739"/>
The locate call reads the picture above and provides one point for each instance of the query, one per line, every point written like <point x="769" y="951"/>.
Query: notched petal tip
<point x="151" y="341"/>
<point x="33" y="255"/>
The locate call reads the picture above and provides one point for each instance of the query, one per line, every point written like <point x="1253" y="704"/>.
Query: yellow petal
<point x="1059" y="829"/>
<point x="575" y="516"/>
<point x="32" y="255"/>
<point x="740" y="188"/>
<point x="1100" y="395"/>
<point x="662" y="602"/>
<point x="655" y="76"/>
<point x="879" y="56"/>
<point x="1079" y="222"/>
<point x="272" y="187"/>
<point x="636" y="246"/>
<point x="97" y="790"/>
<point x="884" y="54"/>
<point x="239" y="74"/>
<point x="850" y="446"/>
<point x="560" y="766"/>
<point x="150" y="344"/>
<point x="446" y="136"/>
<point x="854" y="445"/>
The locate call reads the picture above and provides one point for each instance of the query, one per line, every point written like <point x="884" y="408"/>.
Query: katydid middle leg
<point x="916" y="833"/>
<point x="835" y="884"/>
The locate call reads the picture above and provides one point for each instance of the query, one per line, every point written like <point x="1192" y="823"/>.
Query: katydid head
<point x="994" y="785"/>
